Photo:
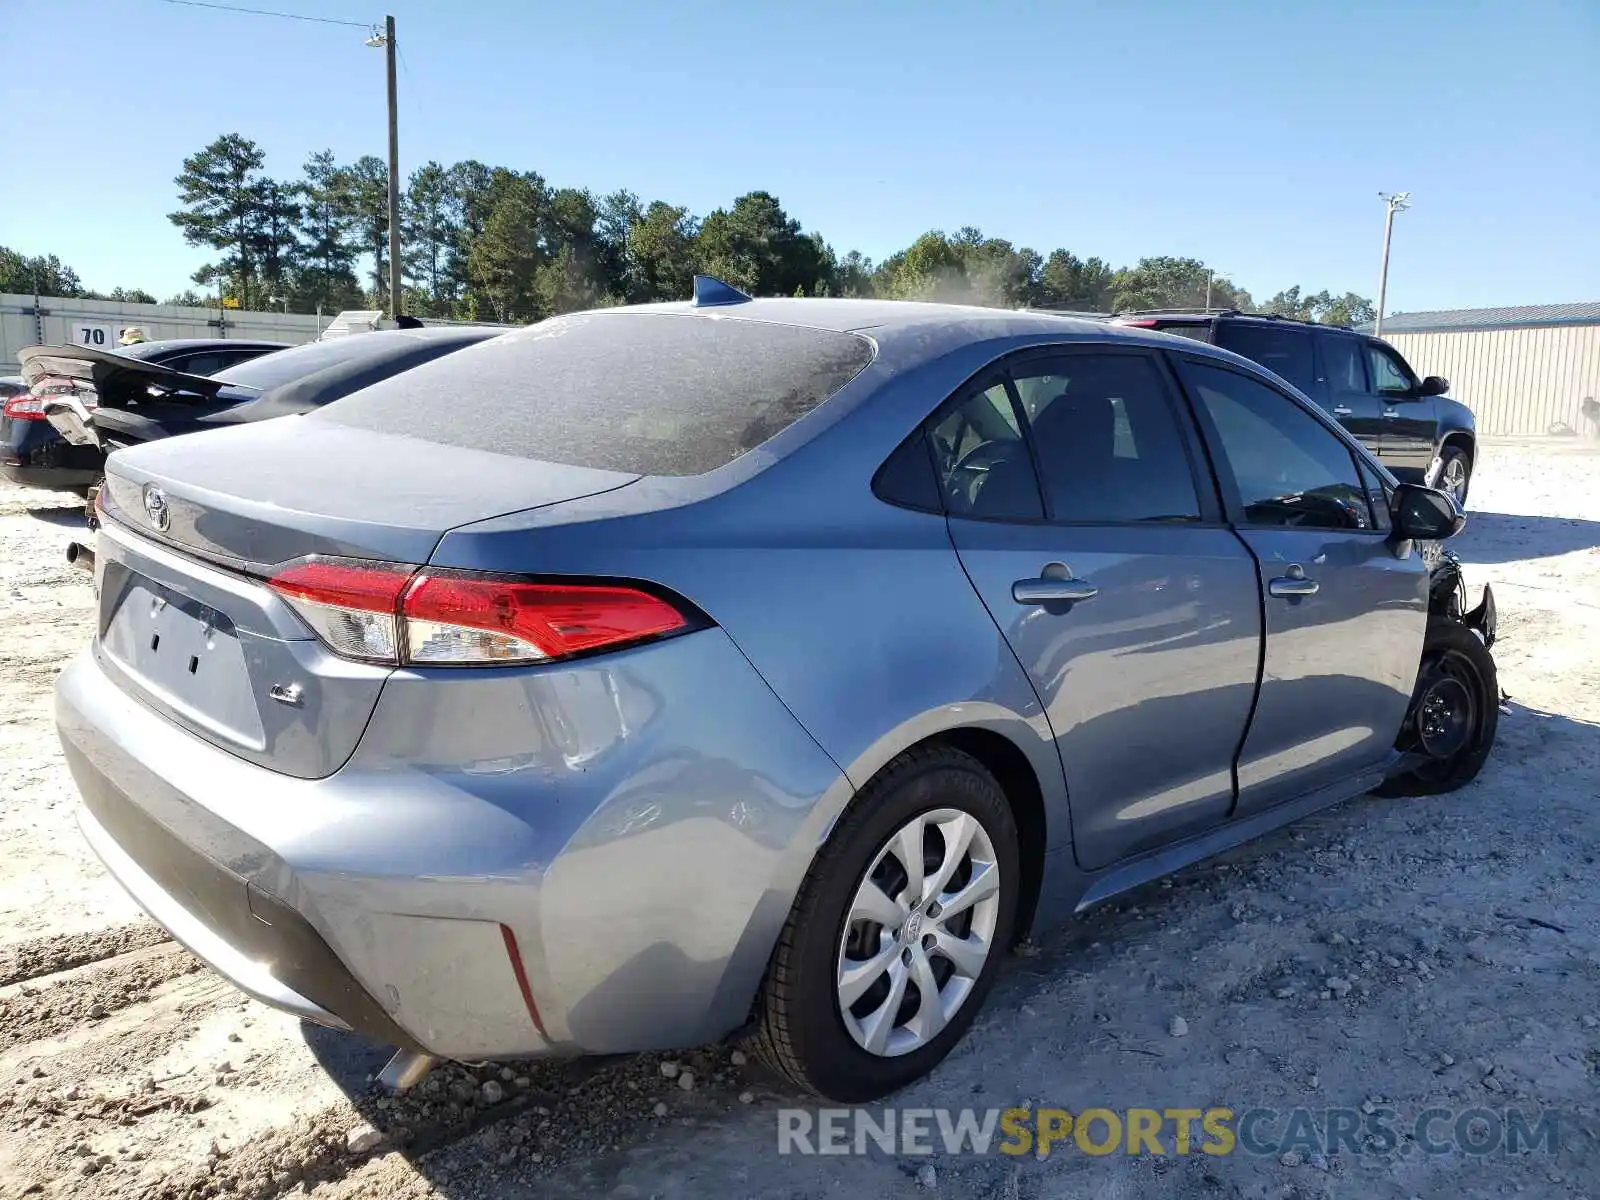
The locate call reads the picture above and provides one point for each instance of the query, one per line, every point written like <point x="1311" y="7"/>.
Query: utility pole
<point x="386" y="40"/>
<point x="1398" y="202"/>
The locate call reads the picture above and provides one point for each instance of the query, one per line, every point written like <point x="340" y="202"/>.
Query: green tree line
<point x="492" y="243"/>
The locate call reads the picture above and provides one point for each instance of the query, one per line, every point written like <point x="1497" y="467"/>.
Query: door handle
<point x="1055" y="585"/>
<point x="1340" y="410"/>
<point x="1392" y="413"/>
<point x="1293" y="582"/>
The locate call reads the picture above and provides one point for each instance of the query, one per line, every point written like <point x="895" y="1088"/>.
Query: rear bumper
<point x="538" y="862"/>
<point x="34" y="455"/>
<point x="259" y="944"/>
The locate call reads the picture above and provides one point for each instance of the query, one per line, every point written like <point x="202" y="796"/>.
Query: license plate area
<point x="188" y="656"/>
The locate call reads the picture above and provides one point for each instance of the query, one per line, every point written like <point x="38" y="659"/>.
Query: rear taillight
<point x="385" y="612"/>
<point x="1140" y="324"/>
<point x="25" y="408"/>
<point x="352" y="606"/>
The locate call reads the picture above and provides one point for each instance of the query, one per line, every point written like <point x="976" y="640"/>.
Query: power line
<point x="262" y="12"/>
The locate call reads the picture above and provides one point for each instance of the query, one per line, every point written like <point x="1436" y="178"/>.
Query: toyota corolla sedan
<point x="765" y="668"/>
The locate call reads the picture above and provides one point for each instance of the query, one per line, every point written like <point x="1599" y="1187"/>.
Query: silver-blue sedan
<point x="762" y="667"/>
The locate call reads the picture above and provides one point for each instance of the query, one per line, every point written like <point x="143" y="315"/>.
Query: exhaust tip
<point x="81" y="556"/>
<point x="406" y="1069"/>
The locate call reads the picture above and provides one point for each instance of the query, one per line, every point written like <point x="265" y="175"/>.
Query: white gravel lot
<point x="1462" y="933"/>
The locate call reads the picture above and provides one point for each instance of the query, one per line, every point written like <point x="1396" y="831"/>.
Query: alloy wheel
<point x="918" y="932"/>
<point x="1453" y="478"/>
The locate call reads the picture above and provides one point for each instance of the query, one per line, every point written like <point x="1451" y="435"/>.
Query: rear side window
<point x="652" y="394"/>
<point x="1283" y="350"/>
<point x="1342" y="362"/>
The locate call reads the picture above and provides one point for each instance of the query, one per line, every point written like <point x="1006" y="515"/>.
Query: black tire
<point x="1454" y="454"/>
<point x="1454" y="650"/>
<point x="800" y="1032"/>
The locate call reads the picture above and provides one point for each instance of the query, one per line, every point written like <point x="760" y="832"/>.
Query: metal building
<point x="1521" y="370"/>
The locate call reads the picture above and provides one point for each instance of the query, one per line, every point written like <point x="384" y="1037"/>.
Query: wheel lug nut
<point x="905" y="956"/>
<point x="933" y="910"/>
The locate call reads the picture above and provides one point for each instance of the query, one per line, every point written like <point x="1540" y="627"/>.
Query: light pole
<point x="1397" y="202"/>
<point x="386" y="40"/>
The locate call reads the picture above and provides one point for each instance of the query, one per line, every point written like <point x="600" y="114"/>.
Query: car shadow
<point x="599" y="1119"/>
<point x="67" y="516"/>
<point x="1506" y="537"/>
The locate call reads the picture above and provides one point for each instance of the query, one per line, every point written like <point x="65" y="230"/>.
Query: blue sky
<point x="1253" y="135"/>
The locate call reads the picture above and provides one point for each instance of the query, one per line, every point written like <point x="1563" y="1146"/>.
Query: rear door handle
<point x="1048" y="590"/>
<point x="1340" y="410"/>
<point x="1391" y="413"/>
<point x="1293" y="582"/>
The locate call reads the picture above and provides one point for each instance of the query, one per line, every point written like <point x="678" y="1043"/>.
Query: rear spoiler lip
<point x="100" y="368"/>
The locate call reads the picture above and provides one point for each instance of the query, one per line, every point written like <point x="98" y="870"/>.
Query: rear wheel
<point x="1454" y="714"/>
<point x="898" y="931"/>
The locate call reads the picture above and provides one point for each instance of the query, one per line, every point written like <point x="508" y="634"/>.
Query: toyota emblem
<point x="155" y="507"/>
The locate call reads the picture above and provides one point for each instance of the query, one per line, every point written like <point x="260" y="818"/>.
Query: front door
<point x="1345" y="615"/>
<point x="1407" y="415"/>
<point x="1133" y="609"/>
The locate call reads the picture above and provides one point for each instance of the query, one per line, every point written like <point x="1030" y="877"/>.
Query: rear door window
<point x="644" y="393"/>
<point x="1343" y="363"/>
<point x="1283" y="349"/>
<point x="1108" y="444"/>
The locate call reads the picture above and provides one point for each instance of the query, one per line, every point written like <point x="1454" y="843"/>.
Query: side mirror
<point x="1425" y="513"/>
<point x="1434" y="385"/>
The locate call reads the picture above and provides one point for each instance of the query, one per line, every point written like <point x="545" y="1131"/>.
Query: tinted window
<point x="983" y="463"/>
<point x="270" y="370"/>
<point x="201" y="364"/>
<point x="1108" y="447"/>
<point x="1289" y="468"/>
<point x="653" y="393"/>
<point x="1390" y="375"/>
<point x="1342" y="363"/>
<point x="1199" y="332"/>
<point x="1284" y="350"/>
<point x="907" y="478"/>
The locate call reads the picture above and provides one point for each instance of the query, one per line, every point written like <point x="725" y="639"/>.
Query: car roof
<point x="1277" y="320"/>
<point x="913" y="329"/>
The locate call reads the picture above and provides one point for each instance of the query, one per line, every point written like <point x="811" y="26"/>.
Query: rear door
<point x="1132" y="608"/>
<point x="1407" y="416"/>
<point x="1344" y="613"/>
<point x="1342" y="366"/>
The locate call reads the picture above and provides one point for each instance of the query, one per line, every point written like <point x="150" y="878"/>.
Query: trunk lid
<point x="195" y="522"/>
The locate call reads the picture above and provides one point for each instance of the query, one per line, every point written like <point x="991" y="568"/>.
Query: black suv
<point x="1416" y="431"/>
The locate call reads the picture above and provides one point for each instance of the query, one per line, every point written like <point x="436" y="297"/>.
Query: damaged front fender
<point x="1447" y="593"/>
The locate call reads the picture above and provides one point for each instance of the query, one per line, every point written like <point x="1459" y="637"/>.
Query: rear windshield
<point x="270" y="370"/>
<point x="645" y="393"/>
<point x="1199" y="331"/>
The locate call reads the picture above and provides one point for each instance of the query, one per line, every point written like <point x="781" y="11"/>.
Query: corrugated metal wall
<point x="67" y="321"/>
<point x="1514" y="380"/>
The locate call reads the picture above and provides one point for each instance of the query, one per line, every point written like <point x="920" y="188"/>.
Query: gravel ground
<point x="1395" y="954"/>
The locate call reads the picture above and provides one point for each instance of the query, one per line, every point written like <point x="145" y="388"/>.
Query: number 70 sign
<point x="96" y="337"/>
